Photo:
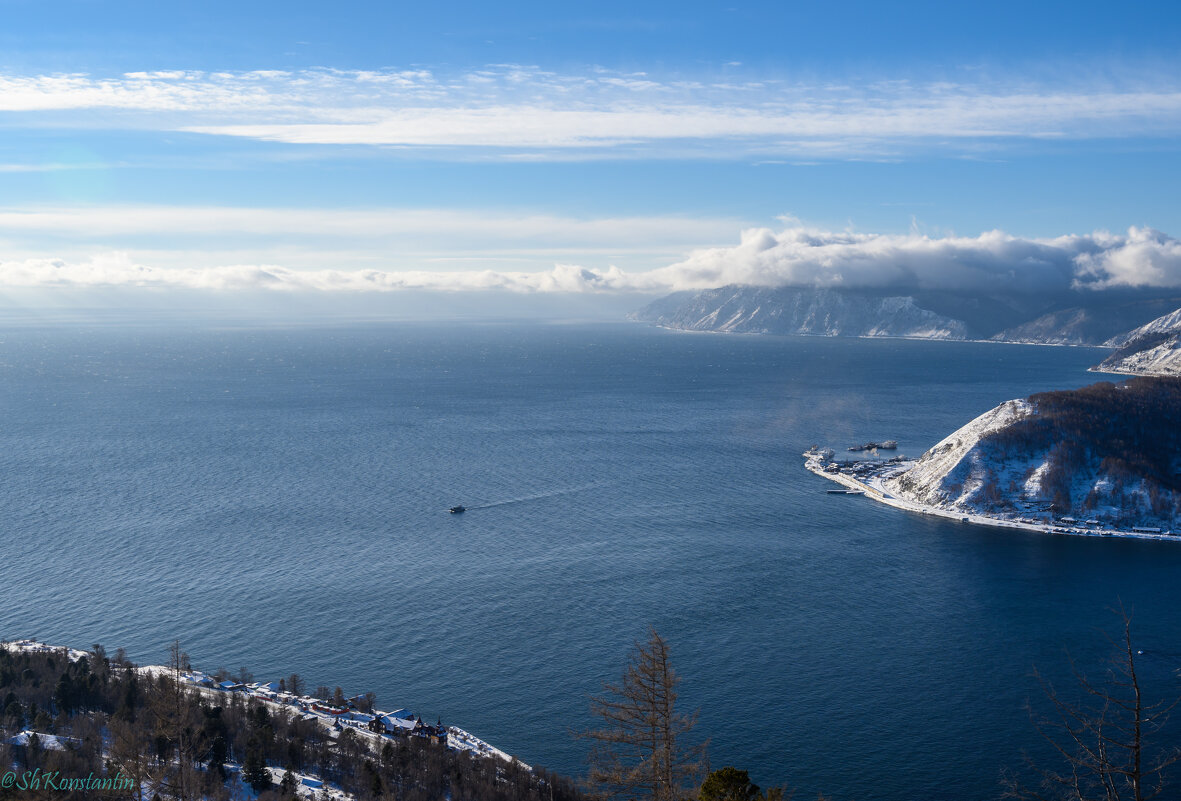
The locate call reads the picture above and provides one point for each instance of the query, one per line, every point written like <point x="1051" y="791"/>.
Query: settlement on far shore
<point x="868" y="476"/>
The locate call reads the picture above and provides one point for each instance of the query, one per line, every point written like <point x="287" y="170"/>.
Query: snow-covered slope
<point x="823" y="312"/>
<point x="1106" y="452"/>
<point x="1152" y="349"/>
<point x="999" y="315"/>
<point x="1165" y="324"/>
<point x="954" y="471"/>
<point x="1097" y="321"/>
<point x="1064" y="327"/>
<point x="1162" y="357"/>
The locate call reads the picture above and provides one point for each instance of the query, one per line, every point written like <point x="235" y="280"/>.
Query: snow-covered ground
<point x="875" y="487"/>
<point x="461" y="740"/>
<point x="457" y="738"/>
<point x="955" y="460"/>
<point x="48" y="742"/>
<point x="1155" y="349"/>
<point x="34" y="646"/>
<point x="1163" y="358"/>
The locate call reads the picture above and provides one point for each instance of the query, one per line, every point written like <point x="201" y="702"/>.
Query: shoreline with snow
<point x="874" y="489"/>
<point x="904" y="337"/>
<point x="398" y="723"/>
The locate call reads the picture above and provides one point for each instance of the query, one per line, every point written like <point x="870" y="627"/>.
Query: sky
<point x="586" y="148"/>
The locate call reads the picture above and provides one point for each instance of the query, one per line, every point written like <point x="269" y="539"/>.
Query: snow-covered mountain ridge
<point x="1106" y="452"/>
<point x="1001" y="316"/>
<point x="821" y="312"/>
<point x="1151" y="349"/>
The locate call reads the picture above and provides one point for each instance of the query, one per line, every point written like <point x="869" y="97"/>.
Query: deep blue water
<point x="276" y="499"/>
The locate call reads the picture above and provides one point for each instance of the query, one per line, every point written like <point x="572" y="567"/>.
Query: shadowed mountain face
<point x="1095" y="323"/>
<point x="1081" y="318"/>
<point x="800" y="311"/>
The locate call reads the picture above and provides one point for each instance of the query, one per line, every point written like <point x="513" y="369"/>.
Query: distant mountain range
<point x="821" y="312"/>
<point x="1080" y="319"/>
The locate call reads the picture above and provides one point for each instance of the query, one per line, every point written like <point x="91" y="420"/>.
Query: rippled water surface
<point x="277" y="499"/>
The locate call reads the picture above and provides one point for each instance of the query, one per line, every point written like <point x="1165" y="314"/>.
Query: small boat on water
<point x="846" y="492"/>
<point x="455" y="510"/>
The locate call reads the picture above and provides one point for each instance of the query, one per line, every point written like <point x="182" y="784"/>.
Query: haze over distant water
<point x="277" y="498"/>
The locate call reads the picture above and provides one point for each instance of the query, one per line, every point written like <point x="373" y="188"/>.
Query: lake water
<point x="276" y="499"/>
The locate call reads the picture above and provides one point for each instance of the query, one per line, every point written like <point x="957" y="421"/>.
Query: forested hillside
<point x="1109" y="452"/>
<point x="149" y="733"/>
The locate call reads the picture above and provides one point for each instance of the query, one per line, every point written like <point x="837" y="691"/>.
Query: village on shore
<point x="868" y="476"/>
<point x="334" y="715"/>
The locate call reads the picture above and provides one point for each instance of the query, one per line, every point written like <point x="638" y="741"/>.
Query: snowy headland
<point x="375" y="726"/>
<point x="1096" y="461"/>
<point x="870" y="483"/>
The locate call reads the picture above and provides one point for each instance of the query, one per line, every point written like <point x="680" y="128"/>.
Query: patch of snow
<point x="35" y="646"/>
<point x="47" y="742"/>
<point x="1033" y="485"/>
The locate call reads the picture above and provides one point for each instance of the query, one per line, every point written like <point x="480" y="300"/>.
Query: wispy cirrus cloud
<point x="373" y="223"/>
<point x="506" y="108"/>
<point x="354" y="238"/>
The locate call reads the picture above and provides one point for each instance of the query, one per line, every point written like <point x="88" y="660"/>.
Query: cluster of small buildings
<point x="399" y="723"/>
<point x="1071" y="525"/>
<point x="862" y="467"/>
<point x="823" y="459"/>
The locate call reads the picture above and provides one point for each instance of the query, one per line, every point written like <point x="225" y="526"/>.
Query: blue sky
<point x="583" y="146"/>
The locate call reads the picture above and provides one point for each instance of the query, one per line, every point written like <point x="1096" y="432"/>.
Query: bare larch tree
<point x="640" y="752"/>
<point x="1104" y="740"/>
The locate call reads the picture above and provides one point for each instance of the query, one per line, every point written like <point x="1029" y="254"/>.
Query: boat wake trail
<point x="540" y="495"/>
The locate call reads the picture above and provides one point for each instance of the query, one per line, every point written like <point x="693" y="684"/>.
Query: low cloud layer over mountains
<point x="1141" y="259"/>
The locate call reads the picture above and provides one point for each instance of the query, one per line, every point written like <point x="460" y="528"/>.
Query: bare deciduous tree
<point x="1104" y="740"/>
<point x="171" y="704"/>
<point x="640" y="751"/>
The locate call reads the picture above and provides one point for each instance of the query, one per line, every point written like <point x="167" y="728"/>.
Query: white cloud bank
<point x="525" y="108"/>
<point x="116" y="270"/>
<point x="797" y="256"/>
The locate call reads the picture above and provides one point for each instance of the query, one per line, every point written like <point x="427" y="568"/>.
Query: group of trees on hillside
<point x="174" y="741"/>
<point x="1131" y="431"/>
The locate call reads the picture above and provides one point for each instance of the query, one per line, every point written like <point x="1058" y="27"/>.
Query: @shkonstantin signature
<point x="54" y="780"/>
